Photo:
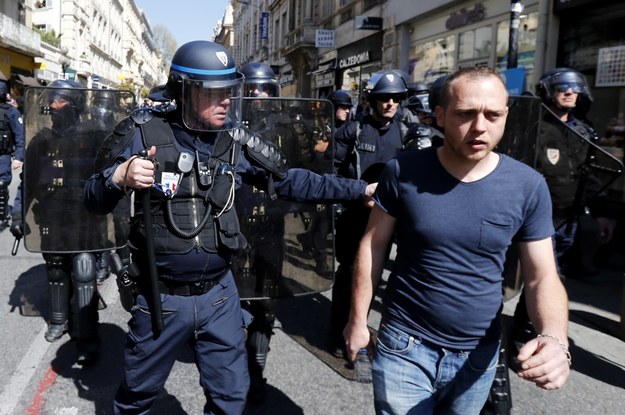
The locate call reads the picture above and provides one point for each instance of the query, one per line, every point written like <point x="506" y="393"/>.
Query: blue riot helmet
<point x="104" y="106"/>
<point x="260" y="80"/>
<point x="66" y="102"/>
<point x="384" y="85"/>
<point x="419" y="104"/>
<point x="434" y="97"/>
<point x="206" y="85"/>
<point x="561" y="80"/>
<point x="340" y="98"/>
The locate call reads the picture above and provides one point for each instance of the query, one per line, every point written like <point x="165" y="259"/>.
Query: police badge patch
<point x="553" y="155"/>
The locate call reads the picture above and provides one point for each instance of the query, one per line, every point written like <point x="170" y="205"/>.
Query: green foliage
<point x="126" y="84"/>
<point x="49" y="37"/>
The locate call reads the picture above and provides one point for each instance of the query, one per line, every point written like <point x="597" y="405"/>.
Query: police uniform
<point x="200" y="301"/>
<point x="11" y="147"/>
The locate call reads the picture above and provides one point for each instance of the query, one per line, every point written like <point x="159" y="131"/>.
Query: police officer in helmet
<point x="71" y="276"/>
<point x="190" y="161"/>
<point x="265" y="237"/>
<point x="11" y="150"/>
<point x="361" y="149"/>
<point x="342" y="102"/>
<point x="562" y="159"/>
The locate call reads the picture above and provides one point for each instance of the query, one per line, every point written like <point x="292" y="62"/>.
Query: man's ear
<point x="440" y="116"/>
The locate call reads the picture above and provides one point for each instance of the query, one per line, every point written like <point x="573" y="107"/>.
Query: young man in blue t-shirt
<point x="453" y="212"/>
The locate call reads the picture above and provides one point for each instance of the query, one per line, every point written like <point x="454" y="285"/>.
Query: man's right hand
<point x="357" y="336"/>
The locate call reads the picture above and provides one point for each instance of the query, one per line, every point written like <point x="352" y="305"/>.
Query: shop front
<point x="470" y="34"/>
<point x="357" y="61"/>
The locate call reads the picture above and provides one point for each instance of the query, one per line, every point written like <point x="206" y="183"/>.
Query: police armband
<point x="266" y="155"/>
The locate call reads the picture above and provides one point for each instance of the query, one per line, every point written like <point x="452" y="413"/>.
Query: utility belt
<point x="189" y="288"/>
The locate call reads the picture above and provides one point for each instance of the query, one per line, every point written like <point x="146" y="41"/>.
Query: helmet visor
<point x="261" y="89"/>
<point x="577" y="88"/>
<point x="206" y="107"/>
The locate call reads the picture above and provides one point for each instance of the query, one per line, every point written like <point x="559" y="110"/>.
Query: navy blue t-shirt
<point x="452" y="237"/>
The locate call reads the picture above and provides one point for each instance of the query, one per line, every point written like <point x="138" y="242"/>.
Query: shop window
<point x="475" y="44"/>
<point x="40" y="4"/>
<point x="528" y="28"/>
<point x="430" y="60"/>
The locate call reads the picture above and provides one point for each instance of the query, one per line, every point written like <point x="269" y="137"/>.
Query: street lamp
<point x="64" y="61"/>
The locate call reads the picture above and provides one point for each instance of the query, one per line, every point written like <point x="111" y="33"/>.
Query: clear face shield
<point x="211" y="106"/>
<point x="574" y="81"/>
<point x="261" y="89"/>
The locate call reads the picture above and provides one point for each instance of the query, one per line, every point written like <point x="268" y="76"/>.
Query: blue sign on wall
<point x="264" y="25"/>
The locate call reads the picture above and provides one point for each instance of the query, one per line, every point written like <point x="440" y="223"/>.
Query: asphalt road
<point x="41" y="378"/>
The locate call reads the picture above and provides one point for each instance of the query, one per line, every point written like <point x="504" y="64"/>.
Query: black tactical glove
<point x="17" y="226"/>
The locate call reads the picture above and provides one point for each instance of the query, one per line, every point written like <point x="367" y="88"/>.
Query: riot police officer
<point x="11" y="150"/>
<point x="265" y="250"/>
<point x="50" y="154"/>
<point x="185" y="165"/>
<point x="342" y="102"/>
<point x="362" y="148"/>
<point x="562" y="159"/>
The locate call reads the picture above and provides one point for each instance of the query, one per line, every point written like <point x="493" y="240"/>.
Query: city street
<point x="41" y="378"/>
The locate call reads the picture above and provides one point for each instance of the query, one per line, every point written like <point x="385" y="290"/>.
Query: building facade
<point x="99" y="43"/>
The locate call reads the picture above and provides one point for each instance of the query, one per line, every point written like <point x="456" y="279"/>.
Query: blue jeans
<point x="411" y="376"/>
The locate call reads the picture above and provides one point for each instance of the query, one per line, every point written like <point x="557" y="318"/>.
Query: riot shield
<point x="597" y="170"/>
<point x="64" y="128"/>
<point x="522" y="128"/>
<point x="290" y="248"/>
<point x="533" y="135"/>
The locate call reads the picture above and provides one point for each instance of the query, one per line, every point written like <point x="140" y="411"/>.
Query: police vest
<point x="196" y="217"/>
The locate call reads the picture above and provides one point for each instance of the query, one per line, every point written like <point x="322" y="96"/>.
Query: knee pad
<point x="83" y="267"/>
<point x="56" y="267"/>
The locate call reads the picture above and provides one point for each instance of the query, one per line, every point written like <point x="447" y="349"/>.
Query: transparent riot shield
<point x="597" y="170"/>
<point x="534" y="135"/>
<point x="522" y="128"/>
<point x="63" y="130"/>
<point x="290" y="245"/>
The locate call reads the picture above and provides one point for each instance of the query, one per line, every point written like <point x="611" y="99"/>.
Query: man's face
<point x="474" y="118"/>
<point x="387" y="104"/>
<point x="564" y="97"/>
<point x="211" y="105"/>
<point x="341" y="113"/>
<point x="58" y="103"/>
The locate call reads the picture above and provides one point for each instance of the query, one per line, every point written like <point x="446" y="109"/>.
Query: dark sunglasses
<point x="388" y="97"/>
<point x="565" y="86"/>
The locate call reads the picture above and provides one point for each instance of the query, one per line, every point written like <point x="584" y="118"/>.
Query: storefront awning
<point x="28" y="80"/>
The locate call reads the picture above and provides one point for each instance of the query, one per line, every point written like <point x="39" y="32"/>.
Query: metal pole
<point x="516" y="8"/>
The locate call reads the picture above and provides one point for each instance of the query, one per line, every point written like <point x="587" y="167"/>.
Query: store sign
<point x="368" y="23"/>
<point x="353" y="60"/>
<point x="264" y="25"/>
<point x="324" y="38"/>
<point x="287" y="78"/>
<point x="464" y="17"/>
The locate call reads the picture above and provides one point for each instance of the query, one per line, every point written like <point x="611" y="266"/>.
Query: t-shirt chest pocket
<point x="494" y="236"/>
